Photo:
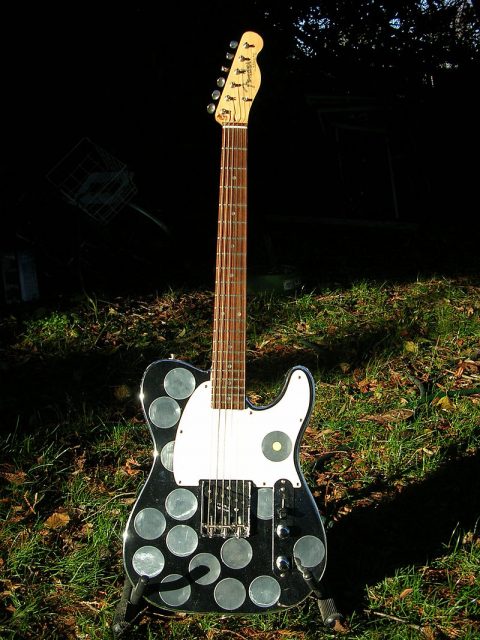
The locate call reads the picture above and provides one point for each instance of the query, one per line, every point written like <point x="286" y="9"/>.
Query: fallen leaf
<point x="57" y="520"/>
<point x="405" y="593"/>
<point x="395" y="415"/>
<point x="410" y="347"/>
<point x="17" y="477"/>
<point x="129" y="464"/>
<point x="443" y="402"/>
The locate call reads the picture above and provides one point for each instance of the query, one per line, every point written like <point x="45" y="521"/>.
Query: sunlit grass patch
<point x="397" y="377"/>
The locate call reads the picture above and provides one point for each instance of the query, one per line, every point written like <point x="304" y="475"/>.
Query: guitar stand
<point x="331" y="617"/>
<point x="129" y="609"/>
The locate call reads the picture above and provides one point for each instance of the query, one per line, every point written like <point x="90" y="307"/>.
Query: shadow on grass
<point x="371" y="543"/>
<point x="44" y="386"/>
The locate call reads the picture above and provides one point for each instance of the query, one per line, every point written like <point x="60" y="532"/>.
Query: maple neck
<point x="229" y="321"/>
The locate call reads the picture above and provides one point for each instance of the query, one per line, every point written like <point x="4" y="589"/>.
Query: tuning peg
<point x="211" y="108"/>
<point x="216" y="94"/>
<point x="220" y="82"/>
<point x="224" y="69"/>
<point x="233" y="44"/>
<point x="229" y="56"/>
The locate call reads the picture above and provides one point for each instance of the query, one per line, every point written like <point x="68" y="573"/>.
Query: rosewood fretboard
<point x="228" y="359"/>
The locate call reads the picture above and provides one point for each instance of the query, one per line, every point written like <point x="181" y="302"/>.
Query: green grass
<point x="391" y="454"/>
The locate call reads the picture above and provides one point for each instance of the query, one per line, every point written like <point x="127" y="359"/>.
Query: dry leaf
<point x="122" y="392"/>
<point x="443" y="402"/>
<point x="405" y="593"/>
<point x="57" y="520"/>
<point x="395" y="415"/>
<point x="130" y="463"/>
<point x="17" y="477"/>
<point x="410" y="347"/>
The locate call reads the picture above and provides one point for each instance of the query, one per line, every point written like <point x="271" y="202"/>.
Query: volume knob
<point x="282" y="531"/>
<point x="283" y="563"/>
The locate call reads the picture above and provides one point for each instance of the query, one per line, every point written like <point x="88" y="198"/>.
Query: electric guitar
<point x="225" y="521"/>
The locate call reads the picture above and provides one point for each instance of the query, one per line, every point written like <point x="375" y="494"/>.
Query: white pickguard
<point x="227" y="443"/>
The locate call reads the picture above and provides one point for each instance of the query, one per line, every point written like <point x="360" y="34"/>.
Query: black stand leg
<point x="128" y="609"/>
<point x="326" y="604"/>
<point x="328" y="609"/>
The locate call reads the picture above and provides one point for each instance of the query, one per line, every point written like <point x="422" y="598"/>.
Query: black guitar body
<point x="188" y="543"/>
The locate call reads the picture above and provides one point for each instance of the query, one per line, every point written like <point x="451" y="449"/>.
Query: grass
<point x="391" y="454"/>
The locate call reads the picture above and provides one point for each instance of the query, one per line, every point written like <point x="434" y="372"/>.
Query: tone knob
<point x="283" y="563"/>
<point x="283" y="531"/>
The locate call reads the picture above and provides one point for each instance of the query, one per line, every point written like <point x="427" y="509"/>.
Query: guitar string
<point x="244" y="292"/>
<point x="225" y="324"/>
<point x="243" y="258"/>
<point x="227" y="271"/>
<point x="238" y="280"/>
<point x="219" y="337"/>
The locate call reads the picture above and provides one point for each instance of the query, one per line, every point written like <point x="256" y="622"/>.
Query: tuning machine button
<point x="211" y="108"/>
<point x="216" y="94"/>
<point x="233" y="44"/>
<point x="229" y="56"/>
<point x="220" y="82"/>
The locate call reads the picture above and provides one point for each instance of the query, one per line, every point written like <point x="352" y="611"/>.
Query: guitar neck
<point x="229" y="321"/>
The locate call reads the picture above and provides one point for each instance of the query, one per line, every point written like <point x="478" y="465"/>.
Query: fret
<point x="231" y="253"/>
<point x="223" y="311"/>
<point x="231" y="268"/>
<point x="233" y="186"/>
<point x="231" y="204"/>
<point x="227" y="148"/>
<point x="231" y="295"/>
<point x="232" y="168"/>
<point x="230" y="238"/>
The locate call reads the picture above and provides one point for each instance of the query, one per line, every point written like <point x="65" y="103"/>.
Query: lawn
<point x="391" y="453"/>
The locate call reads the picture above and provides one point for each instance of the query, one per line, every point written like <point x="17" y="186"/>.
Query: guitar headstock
<point x="240" y="87"/>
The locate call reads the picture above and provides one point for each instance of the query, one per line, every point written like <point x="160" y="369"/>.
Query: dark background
<point x="362" y="139"/>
